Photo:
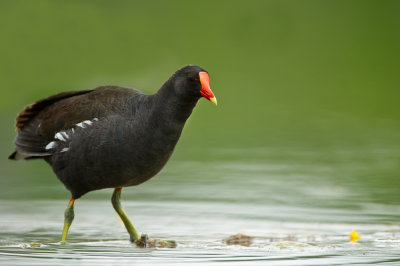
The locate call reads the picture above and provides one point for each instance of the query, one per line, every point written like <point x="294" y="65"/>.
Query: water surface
<point x="300" y="206"/>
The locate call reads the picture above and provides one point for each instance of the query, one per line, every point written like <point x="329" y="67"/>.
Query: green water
<point x="303" y="147"/>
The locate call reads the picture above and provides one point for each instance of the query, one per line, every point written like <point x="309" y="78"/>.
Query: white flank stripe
<point x="65" y="135"/>
<point x="51" y="145"/>
<point x="86" y="122"/>
<point x="59" y="136"/>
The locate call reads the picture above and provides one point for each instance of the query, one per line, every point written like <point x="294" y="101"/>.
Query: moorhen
<point x="110" y="136"/>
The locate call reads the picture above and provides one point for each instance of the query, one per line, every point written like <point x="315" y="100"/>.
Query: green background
<point x="311" y="75"/>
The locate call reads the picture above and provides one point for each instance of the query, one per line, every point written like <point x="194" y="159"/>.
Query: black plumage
<point x="109" y="137"/>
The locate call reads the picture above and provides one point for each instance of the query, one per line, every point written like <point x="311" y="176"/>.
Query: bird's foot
<point x="145" y="242"/>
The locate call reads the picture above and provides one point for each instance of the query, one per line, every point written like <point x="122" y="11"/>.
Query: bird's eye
<point x="192" y="79"/>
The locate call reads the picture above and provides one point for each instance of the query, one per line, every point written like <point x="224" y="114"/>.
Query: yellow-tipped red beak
<point x="205" y="88"/>
<point x="213" y="100"/>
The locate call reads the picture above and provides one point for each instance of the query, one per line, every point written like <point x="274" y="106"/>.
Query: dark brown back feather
<point x="38" y="122"/>
<point x="30" y="111"/>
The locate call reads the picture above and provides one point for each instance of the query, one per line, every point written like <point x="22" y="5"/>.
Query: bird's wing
<point x="39" y="122"/>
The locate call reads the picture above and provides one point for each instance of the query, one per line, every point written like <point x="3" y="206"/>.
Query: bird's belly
<point x="119" y="157"/>
<point x="133" y="175"/>
<point x="107" y="168"/>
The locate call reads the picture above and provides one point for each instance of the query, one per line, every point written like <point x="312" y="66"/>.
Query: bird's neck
<point x="171" y="106"/>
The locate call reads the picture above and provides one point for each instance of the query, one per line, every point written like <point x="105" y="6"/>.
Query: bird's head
<point x="193" y="81"/>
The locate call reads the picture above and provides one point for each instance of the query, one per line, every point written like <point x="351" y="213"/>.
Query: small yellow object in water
<point x="354" y="236"/>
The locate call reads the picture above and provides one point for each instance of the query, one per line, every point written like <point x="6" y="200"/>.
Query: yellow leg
<point x="68" y="218"/>
<point x="115" y="200"/>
